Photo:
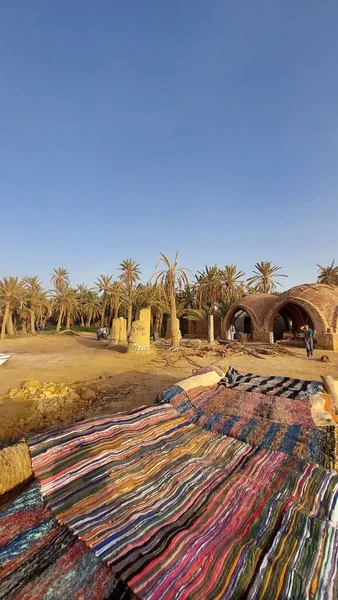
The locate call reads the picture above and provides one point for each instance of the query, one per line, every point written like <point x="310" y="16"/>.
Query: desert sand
<point x="130" y="380"/>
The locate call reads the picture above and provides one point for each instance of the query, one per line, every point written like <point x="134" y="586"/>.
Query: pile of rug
<point x="178" y="512"/>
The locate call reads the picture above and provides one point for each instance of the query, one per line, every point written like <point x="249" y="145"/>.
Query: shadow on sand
<point x="93" y="342"/>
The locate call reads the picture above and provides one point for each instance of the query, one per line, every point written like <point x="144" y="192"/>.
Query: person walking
<point x="308" y="339"/>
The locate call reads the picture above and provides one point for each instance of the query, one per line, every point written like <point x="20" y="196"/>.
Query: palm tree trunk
<point x="58" y="326"/>
<point x="10" y="326"/>
<point x="82" y="321"/>
<point x="33" y="330"/>
<point x="175" y="332"/>
<point x="4" y="322"/>
<point x="116" y="310"/>
<point x="103" y="314"/>
<point x="68" y="320"/>
<point x="130" y="317"/>
<point x="89" y="319"/>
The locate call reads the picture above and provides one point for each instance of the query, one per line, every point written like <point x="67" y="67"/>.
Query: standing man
<point x="308" y="339"/>
<point x="232" y="332"/>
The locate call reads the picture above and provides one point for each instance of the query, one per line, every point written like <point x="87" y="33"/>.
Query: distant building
<point x="268" y="318"/>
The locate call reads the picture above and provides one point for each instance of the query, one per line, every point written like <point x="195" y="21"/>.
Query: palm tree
<point x="209" y="287"/>
<point x="92" y="307"/>
<point x="60" y="278"/>
<point x="115" y="294"/>
<point x="11" y="292"/>
<point x="33" y="288"/>
<point x="187" y="296"/>
<point x="170" y="277"/>
<point x="264" y="277"/>
<point x="209" y="290"/>
<point x="66" y="306"/>
<point x="44" y="309"/>
<point x="104" y="283"/>
<point x="129" y="277"/>
<point x="81" y="294"/>
<point x="232" y="283"/>
<point x="150" y="296"/>
<point x="328" y="275"/>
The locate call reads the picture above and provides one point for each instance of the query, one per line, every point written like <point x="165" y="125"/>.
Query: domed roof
<point x="313" y="292"/>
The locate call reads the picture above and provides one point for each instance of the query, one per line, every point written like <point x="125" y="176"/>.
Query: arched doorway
<point x="289" y="320"/>
<point x="242" y="322"/>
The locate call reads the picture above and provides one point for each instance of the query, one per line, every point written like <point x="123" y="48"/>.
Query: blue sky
<point x="127" y="128"/>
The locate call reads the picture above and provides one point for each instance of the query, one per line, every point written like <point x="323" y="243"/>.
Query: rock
<point x="74" y="397"/>
<point x="97" y="386"/>
<point x="21" y="396"/>
<point x="88" y="395"/>
<point x="13" y="392"/>
<point x="32" y="384"/>
<point x="40" y="406"/>
<point x="51" y="388"/>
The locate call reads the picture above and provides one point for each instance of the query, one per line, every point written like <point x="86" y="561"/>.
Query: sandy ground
<point x="132" y="380"/>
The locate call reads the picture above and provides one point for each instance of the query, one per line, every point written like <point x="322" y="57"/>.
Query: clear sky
<point x="136" y="126"/>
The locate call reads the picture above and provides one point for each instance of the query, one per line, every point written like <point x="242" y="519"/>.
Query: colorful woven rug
<point x="181" y="513"/>
<point x="313" y="443"/>
<point x="277" y="386"/>
<point x="40" y="560"/>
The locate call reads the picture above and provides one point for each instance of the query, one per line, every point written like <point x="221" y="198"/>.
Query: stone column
<point x="123" y="330"/>
<point x="211" y="335"/>
<point x="118" y="332"/>
<point x="140" y="333"/>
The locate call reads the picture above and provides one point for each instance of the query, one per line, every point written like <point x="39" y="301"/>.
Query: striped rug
<point x="40" y="560"/>
<point x="289" y="435"/>
<point x="277" y="386"/>
<point x="181" y="513"/>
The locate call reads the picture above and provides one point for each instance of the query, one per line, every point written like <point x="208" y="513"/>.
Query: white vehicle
<point x="3" y="358"/>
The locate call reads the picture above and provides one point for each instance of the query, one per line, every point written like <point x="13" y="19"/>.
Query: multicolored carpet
<point x="313" y="443"/>
<point x="41" y="560"/>
<point x="305" y="427"/>
<point x="181" y="513"/>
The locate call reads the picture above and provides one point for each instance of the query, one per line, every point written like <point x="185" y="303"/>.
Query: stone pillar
<point x="123" y="330"/>
<point x="211" y="335"/>
<point x="118" y="332"/>
<point x="140" y="333"/>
